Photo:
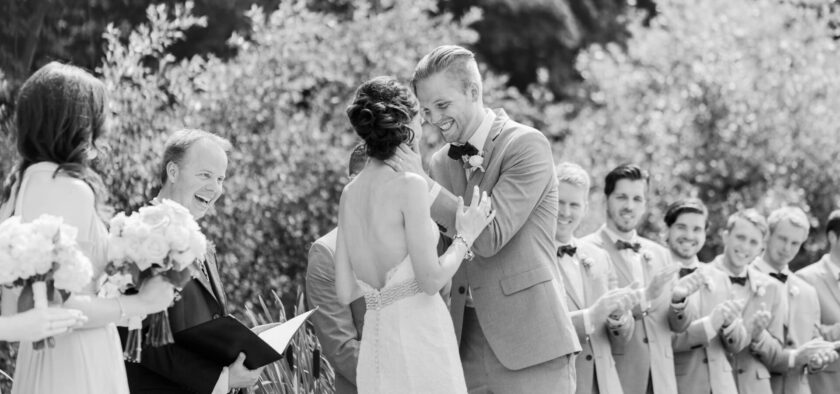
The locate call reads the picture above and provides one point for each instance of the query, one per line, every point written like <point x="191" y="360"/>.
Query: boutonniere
<point x="760" y="289"/>
<point x="473" y="162"/>
<point x="586" y="261"/>
<point x="707" y="283"/>
<point x="794" y="290"/>
<point x="647" y="257"/>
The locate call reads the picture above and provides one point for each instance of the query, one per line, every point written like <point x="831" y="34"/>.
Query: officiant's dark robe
<point x="173" y="369"/>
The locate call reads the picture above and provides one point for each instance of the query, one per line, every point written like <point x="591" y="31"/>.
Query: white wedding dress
<point x="408" y="342"/>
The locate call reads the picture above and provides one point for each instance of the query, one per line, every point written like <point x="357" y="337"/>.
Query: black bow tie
<point x="738" y="280"/>
<point x="780" y="276"/>
<point x="621" y="245"/>
<point x="686" y="271"/>
<point x="567" y="250"/>
<point x="456" y="152"/>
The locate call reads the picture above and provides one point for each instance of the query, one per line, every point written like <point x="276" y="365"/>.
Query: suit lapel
<point x="212" y="285"/>
<point x="622" y="269"/>
<point x="830" y="281"/>
<point x="570" y="290"/>
<point x="487" y="152"/>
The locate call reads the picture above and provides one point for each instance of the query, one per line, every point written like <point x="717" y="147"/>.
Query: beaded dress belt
<point x="376" y="300"/>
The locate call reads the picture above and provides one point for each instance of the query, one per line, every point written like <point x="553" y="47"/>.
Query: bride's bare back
<point x="372" y="222"/>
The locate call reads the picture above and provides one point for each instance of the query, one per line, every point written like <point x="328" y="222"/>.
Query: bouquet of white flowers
<point x="159" y="240"/>
<point x="43" y="260"/>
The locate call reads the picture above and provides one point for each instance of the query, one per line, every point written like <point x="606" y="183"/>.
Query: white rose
<point x="155" y="249"/>
<point x="47" y="225"/>
<point x="74" y="272"/>
<point x="198" y="244"/>
<point x="154" y="216"/>
<point x="117" y="223"/>
<point x="475" y="161"/>
<point x="178" y="236"/>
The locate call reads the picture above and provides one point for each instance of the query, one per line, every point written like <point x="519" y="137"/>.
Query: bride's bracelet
<point x="460" y="238"/>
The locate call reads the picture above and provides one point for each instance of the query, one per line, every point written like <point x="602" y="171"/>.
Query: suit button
<point x="462" y="290"/>
<point x="588" y="357"/>
<point x="731" y="340"/>
<point x="740" y="370"/>
<point x="615" y="332"/>
<point x="705" y="361"/>
<point x="645" y="340"/>
<point x="679" y="317"/>
<point x="790" y="343"/>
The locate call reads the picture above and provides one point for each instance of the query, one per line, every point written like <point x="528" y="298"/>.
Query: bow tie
<point x="686" y="271"/>
<point x="567" y="250"/>
<point x="738" y="280"/>
<point x="780" y="276"/>
<point x="621" y="245"/>
<point x="456" y="152"/>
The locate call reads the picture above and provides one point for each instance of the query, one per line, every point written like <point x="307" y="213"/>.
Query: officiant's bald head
<point x="456" y="61"/>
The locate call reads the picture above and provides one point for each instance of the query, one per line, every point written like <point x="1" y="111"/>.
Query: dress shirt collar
<point x="832" y="266"/>
<point x="614" y="236"/>
<point x="765" y="267"/>
<point x="479" y="138"/>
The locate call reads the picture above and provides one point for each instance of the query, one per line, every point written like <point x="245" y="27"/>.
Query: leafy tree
<point x="731" y="102"/>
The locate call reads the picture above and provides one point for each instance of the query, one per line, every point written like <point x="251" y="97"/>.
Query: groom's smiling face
<point x="449" y="106"/>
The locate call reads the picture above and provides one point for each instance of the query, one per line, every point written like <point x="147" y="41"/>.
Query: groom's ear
<point x="171" y="171"/>
<point x="473" y="91"/>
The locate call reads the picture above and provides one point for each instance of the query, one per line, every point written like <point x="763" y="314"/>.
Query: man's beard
<point x="675" y="249"/>
<point x="616" y="219"/>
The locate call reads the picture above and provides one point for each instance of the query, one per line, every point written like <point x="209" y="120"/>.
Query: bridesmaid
<point x="59" y="116"/>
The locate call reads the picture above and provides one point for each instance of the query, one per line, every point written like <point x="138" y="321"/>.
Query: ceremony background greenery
<point x="734" y="102"/>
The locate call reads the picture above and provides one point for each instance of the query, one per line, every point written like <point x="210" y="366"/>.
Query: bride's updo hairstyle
<point x="381" y="113"/>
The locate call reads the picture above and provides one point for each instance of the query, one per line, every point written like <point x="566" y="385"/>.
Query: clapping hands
<point x="660" y="281"/>
<point x="758" y="322"/>
<point x="614" y="303"/>
<point x="687" y="286"/>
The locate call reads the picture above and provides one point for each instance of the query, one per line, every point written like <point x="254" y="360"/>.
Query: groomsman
<point x="600" y="311"/>
<point x="761" y="295"/>
<point x="700" y="352"/>
<point x="338" y="327"/>
<point x="646" y="362"/>
<point x="508" y="305"/>
<point x="800" y="353"/>
<point x="824" y="276"/>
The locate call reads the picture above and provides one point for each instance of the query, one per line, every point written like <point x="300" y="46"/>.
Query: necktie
<point x="780" y="276"/>
<point x="568" y="250"/>
<point x="456" y="152"/>
<point x="621" y="245"/>
<point x="738" y="280"/>
<point x="686" y="271"/>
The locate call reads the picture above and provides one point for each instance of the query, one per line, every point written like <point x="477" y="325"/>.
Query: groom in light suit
<point x="507" y="304"/>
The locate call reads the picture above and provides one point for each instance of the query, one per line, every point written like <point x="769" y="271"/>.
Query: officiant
<point x="192" y="173"/>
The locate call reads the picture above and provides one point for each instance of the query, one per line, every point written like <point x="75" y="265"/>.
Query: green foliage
<point x="303" y="369"/>
<point x="734" y="102"/>
<point x="281" y="102"/>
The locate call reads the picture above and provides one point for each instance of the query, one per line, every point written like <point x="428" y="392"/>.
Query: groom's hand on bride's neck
<point x="406" y="160"/>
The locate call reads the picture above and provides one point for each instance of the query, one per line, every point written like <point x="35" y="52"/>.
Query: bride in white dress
<point x="386" y="252"/>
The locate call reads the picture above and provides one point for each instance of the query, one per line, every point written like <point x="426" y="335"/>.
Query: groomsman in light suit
<point x="824" y="275"/>
<point x="803" y="351"/>
<point x="646" y="363"/>
<point x="508" y="305"/>
<point x="338" y="327"/>
<point x="700" y="352"/>
<point x="600" y="311"/>
<point x="761" y="295"/>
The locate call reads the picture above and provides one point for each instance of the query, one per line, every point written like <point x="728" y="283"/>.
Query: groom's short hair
<point x="457" y="61"/>
<point x="179" y="142"/>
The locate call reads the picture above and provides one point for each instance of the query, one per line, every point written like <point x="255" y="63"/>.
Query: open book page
<point x="278" y="335"/>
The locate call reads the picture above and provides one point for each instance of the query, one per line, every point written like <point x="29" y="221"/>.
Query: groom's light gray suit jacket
<point x="518" y="298"/>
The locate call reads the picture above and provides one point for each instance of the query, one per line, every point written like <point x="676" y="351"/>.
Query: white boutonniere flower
<point x="794" y="291"/>
<point x="647" y="257"/>
<point x="474" y="161"/>
<point x="707" y="282"/>
<point x="586" y="261"/>
<point x="760" y="289"/>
